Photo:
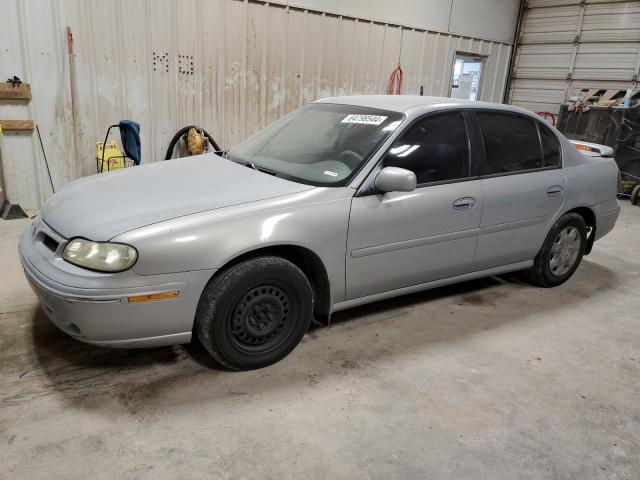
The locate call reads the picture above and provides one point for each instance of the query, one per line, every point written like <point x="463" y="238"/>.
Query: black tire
<point x="254" y="313"/>
<point x="548" y="269"/>
<point x="635" y="195"/>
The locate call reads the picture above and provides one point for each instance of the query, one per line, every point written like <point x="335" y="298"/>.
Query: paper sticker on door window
<point x="364" y="119"/>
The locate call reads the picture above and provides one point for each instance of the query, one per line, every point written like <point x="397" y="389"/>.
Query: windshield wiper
<point x="260" y="169"/>
<point x="251" y="165"/>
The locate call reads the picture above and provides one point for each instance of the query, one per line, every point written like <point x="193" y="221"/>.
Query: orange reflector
<point x="583" y="147"/>
<point x="153" y="296"/>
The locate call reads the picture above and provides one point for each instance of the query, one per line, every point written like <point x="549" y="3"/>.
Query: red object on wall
<point x="394" y="86"/>
<point x="551" y="117"/>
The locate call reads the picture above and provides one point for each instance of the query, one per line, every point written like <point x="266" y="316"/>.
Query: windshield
<point x="320" y="144"/>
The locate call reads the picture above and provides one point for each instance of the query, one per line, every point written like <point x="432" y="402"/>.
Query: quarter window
<point x="550" y="147"/>
<point x="511" y="142"/>
<point x="436" y="149"/>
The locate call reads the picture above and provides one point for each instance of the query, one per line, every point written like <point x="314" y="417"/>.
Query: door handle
<point x="555" y="191"/>
<point x="465" y="203"/>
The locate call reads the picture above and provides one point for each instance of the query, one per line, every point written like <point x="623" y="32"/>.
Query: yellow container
<point x="113" y="157"/>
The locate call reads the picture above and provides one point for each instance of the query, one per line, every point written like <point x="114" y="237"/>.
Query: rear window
<point x="511" y="142"/>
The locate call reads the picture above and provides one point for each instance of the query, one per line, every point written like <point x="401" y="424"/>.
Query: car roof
<point x="402" y="103"/>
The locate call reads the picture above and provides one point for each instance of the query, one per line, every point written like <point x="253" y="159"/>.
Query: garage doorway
<point x="466" y="76"/>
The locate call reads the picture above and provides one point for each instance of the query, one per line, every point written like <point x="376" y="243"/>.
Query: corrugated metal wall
<point x="566" y="45"/>
<point x="231" y="66"/>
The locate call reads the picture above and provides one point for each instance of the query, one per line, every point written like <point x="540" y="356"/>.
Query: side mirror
<point x="394" y="179"/>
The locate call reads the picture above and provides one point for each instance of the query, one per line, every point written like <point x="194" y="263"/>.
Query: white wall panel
<point x="544" y="60"/>
<point x="485" y="19"/>
<point x="611" y="22"/>
<point x="252" y="63"/>
<point x="39" y="57"/>
<point x="606" y="61"/>
<point x="567" y="44"/>
<point x="426" y="14"/>
<point x="490" y="19"/>
<point x="551" y="3"/>
<point x="550" y="25"/>
<point x="538" y="95"/>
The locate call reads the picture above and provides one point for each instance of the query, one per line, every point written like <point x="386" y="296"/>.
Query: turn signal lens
<point x="153" y="296"/>
<point x="586" y="148"/>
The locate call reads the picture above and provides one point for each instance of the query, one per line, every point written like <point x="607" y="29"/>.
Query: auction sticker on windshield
<point x="364" y="119"/>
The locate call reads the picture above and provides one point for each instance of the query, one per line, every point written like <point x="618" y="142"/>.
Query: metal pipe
<point x="514" y="52"/>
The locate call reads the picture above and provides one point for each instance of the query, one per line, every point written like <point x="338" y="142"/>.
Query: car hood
<point x="105" y="205"/>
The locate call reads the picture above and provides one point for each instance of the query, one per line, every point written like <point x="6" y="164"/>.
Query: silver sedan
<point x="346" y="201"/>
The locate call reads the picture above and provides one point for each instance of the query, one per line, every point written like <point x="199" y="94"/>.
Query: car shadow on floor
<point x="135" y="377"/>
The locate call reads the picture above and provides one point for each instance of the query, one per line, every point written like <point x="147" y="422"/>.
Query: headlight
<point x="101" y="256"/>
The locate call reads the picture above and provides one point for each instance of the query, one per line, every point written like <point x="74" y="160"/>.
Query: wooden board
<point x="16" y="124"/>
<point x="10" y="91"/>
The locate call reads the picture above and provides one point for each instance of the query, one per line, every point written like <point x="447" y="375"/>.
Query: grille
<point x="50" y="243"/>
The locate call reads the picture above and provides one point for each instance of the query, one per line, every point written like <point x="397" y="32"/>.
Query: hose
<point x="547" y="115"/>
<point x="181" y="132"/>
<point x="396" y="79"/>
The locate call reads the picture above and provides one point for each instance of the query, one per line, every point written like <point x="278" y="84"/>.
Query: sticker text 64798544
<point x="364" y="119"/>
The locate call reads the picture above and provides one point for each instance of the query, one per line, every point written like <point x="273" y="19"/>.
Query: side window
<point x="435" y="149"/>
<point x="550" y="147"/>
<point x="511" y="142"/>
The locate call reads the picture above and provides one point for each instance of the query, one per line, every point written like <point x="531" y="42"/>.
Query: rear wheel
<point x="561" y="252"/>
<point x="254" y="313"/>
<point x="635" y="195"/>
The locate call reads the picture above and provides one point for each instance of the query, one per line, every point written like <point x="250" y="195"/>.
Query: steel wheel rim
<point x="564" y="251"/>
<point x="262" y="319"/>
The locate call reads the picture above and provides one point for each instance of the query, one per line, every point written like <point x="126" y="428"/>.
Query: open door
<point x="466" y="76"/>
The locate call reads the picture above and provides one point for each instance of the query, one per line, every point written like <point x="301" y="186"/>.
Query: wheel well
<point x="310" y="264"/>
<point x="590" y="219"/>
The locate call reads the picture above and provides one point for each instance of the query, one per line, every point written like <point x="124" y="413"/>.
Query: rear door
<point x="399" y="239"/>
<point x="523" y="187"/>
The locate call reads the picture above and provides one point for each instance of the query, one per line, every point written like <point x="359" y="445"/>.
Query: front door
<point x="399" y="239"/>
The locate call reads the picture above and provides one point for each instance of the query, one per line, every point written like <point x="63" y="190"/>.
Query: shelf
<point x="22" y="125"/>
<point x="11" y="91"/>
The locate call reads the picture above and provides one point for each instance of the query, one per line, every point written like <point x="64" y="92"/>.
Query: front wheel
<point x="561" y="252"/>
<point x="254" y="313"/>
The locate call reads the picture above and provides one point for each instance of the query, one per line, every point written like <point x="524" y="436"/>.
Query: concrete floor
<point x="491" y="379"/>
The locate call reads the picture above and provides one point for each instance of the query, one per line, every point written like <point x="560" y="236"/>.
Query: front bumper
<point x="103" y="315"/>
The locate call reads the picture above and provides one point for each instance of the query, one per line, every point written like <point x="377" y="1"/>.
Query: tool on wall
<point x="45" y="158"/>
<point x="73" y="96"/>
<point x="396" y="79"/>
<point x="14" y="80"/>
